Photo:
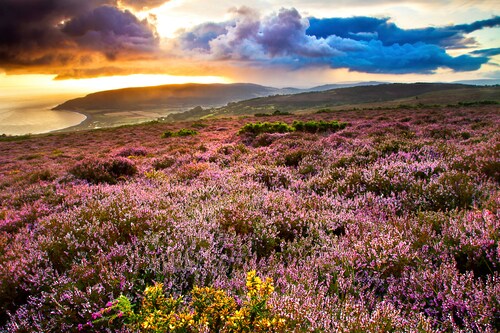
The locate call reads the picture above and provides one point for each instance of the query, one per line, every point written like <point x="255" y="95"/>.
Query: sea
<point x="34" y="117"/>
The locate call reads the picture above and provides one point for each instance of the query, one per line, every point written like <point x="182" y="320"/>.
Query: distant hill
<point x="173" y="96"/>
<point x="183" y="96"/>
<point x="355" y="96"/>
<point x="292" y="90"/>
<point x="326" y="87"/>
<point x="483" y="82"/>
<point x="172" y="102"/>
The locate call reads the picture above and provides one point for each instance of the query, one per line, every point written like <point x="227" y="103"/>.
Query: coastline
<point x="39" y="121"/>
<point x="83" y="125"/>
<point x="108" y="118"/>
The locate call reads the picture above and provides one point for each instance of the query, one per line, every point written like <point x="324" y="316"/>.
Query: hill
<point x="170" y="102"/>
<point x="483" y="82"/>
<point x="358" y="95"/>
<point x="172" y="96"/>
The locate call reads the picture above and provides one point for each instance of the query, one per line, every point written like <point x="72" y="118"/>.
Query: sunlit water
<point x="31" y="118"/>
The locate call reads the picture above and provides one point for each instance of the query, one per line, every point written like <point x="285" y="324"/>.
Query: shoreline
<point x="83" y="125"/>
<point x="113" y="118"/>
<point x="29" y="126"/>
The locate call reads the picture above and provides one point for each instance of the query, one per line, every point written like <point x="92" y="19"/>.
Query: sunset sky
<point x="79" y="46"/>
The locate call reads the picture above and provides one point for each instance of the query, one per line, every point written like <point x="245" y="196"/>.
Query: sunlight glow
<point x="36" y="85"/>
<point x="139" y="80"/>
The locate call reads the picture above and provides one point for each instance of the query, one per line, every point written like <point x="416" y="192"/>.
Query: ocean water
<point x="19" y="118"/>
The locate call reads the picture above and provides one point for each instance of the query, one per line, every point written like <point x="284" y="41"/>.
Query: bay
<point x="20" y="118"/>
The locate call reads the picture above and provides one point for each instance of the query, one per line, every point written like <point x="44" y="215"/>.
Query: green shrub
<point x="186" y="132"/>
<point x="181" y="132"/>
<point x="266" y="127"/>
<point x="167" y="134"/>
<point x="318" y="126"/>
<point x="300" y="126"/>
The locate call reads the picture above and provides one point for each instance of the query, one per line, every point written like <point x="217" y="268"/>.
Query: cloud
<point x="199" y="37"/>
<point x="142" y="4"/>
<point x="365" y="44"/>
<point x="48" y="34"/>
<point x="111" y="31"/>
<point x="487" y="52"/>
<point x="85" y="38"/>
<point x="403" y="59"/>
<point x="365" y="28"/>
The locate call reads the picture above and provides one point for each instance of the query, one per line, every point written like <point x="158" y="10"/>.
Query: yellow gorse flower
<point x="209" y="309"/>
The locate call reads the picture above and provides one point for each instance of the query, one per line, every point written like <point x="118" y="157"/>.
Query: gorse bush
<point x="181" y="132"/>
<point x="209" y="309"/>
<point x="300" y="126"/>
<point x="104" y="171"/>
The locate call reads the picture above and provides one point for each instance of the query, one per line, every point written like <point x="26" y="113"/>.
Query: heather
<point x="389" y="222"/>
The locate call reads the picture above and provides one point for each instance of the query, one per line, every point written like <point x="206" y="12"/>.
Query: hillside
<point x="183" y="96"/>
<point x="356" y="96"/>
<point x="173" y="96"/>
<point x="390" y="223"/>
<point x="195" y="101"/>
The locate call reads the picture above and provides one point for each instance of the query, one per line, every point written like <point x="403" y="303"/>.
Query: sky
<point x="76" y="46"/>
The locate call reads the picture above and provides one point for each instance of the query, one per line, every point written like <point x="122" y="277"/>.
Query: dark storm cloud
<point x="365" y="44"/>
<point x="61" y="32"/>
<point x="111" y="31"/>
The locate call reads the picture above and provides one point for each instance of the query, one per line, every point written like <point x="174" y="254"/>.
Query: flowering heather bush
<point x="103" y="171"/>
<point x="132" y="151"/>
<point x="389" y="224"/>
